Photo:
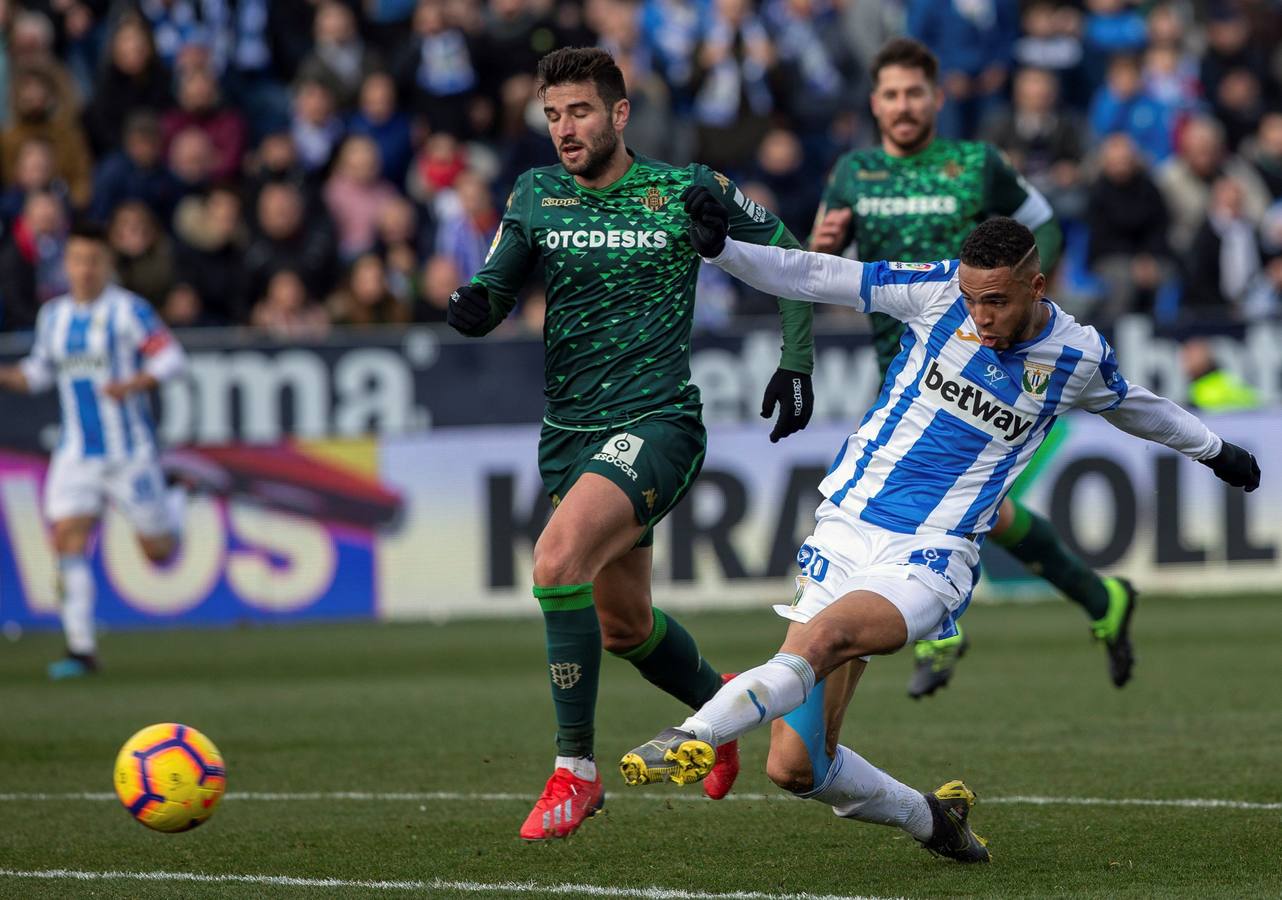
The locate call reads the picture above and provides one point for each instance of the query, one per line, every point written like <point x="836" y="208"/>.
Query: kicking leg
<point x="660" y="647"/>
<point x="76" y="595"/>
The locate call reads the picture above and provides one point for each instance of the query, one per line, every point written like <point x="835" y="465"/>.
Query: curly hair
<point x="998" y="243"/>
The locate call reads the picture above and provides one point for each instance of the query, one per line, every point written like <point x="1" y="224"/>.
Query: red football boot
<point x="566" y="801"/>
<point x="721" y="779"/>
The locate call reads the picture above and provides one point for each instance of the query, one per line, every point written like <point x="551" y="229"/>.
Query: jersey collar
<point x="624" y="179"/>
<point x="1040" y="336"/>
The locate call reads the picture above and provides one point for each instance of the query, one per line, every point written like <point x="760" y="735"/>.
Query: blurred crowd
<point x="295" y="164"/>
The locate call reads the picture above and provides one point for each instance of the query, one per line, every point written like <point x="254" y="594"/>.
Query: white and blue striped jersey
<point x="956" y="422"/>
<point x="83" y="347"/>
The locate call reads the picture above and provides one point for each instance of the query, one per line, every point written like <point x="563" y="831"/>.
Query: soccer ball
<point x="170" y="777"/>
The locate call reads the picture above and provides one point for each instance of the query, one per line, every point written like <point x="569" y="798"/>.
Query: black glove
<point x="709" y="221"/>
<point x="1235" y="466"/>
<point x="795" y="395"/>
<point x="469" y="310"/>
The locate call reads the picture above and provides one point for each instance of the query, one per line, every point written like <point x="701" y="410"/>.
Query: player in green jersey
<point x="622" y="437"/>
<point x="917" y="197"/>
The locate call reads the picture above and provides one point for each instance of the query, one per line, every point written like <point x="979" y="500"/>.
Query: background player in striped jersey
<point x="104" y="349"/>
<point x="908" y="500"/>
<point x="917" y="196"/>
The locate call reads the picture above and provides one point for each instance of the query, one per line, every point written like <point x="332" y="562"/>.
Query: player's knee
<point x="791" y="772"/>
<point x="555" y="564"/>
<point x="619" y="635"/>
<point x="826" y="645"/>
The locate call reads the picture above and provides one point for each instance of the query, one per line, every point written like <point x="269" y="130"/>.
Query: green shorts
<point x="654" y="460"/>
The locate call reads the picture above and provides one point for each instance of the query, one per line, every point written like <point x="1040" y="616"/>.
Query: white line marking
<point x="434" y="884"/>
<point x="447" y="796"/>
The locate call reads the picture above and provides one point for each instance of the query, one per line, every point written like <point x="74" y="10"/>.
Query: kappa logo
<point x="872" y="175"/>
<point x="976" y="407"/>
<point x="1037" y="379"/>
<point x="559" y="201"/>
<point x="566" y="675"/>
<point x="621" y="452"/>
<point x="723" y="181"/>
<point x="650" y="495"/>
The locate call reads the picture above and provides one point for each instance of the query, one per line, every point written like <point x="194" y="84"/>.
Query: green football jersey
<point x="921" y="208"/>
<point x="620" y="276"/>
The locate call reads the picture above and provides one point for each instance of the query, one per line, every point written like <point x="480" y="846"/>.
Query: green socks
<point x="1033" y="541"/>
<point x="574" y="663"/>
<point x="670" y="660"/>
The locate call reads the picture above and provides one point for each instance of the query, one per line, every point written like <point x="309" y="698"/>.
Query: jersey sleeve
<point x="754" y="224"/>
<point x="37" y="367"/>
<point x="1007" y="193"/>
<point x="908" y="291"/>
<point x="1107" y="388"/>
<point x="162" y="356"/>
<point x="512" y="253"/>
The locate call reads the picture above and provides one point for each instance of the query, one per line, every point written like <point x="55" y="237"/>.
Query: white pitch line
<point x="447" y="796"/>
<point x="433" y="884"/>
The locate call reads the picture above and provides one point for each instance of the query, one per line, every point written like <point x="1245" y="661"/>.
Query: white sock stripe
<point x="799" y="665"/>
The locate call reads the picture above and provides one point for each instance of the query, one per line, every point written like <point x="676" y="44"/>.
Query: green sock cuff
<point x="646" y="647"/>
<point x="1019" y="528"/>
<point x="563" y="597"/>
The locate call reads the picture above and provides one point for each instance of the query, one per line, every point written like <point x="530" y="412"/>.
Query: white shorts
<point x="928" y="577"/>
<point x="81" y="487"/>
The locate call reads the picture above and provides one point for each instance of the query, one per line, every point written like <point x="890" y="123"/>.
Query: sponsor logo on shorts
<point x="621" y="452"/>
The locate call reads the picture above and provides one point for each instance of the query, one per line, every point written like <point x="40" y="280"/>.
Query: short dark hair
<point x="88" y="230"/>
<point x="575" y="65"/>
<point x="908" y="53"/>
<point x="998" y="243"/>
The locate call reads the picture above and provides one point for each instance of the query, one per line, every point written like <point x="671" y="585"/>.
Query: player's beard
<point x="924" y="134"/>
<point x="596" y="156"/>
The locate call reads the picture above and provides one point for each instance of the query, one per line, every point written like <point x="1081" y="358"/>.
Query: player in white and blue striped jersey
<point x="103" y="349"/>
<point x="985" y="366"/>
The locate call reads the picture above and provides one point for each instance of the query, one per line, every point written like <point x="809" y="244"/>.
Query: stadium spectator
<point x="398" y="244"/>
<point x="1111" y="28"/>
<point x="31" y="261"/>
<point x="733" y="100"/>
<point x="466" y="222"/>
<point x="182" y="308"/>
<point x="1172" y="82"/>
<point x="209" y="254"/>
<point x="200" y="106"/>
<point x="30" y="49"/>
<point x="974" y="42"/>
<point x="132" y="79"/>
<point x="36" y="117"/>
<point x="1121" y="105"/>
<point x="356" y="196"/>
<point x="191" y="162"/>
<point x="339" y="58"/>
<point x="439" y="163"/>
<point x="285" y="239"/>
<point x="817" y="70"/>
<point x="268" y="42"/>
<point x="780" y="168"/>
<point x="1185" y="180"/>
<point x="144" y="254"/>
<point x="276" y="159"/>
<point x="32" y="173"/>
<point x="135" y="172"/>
<point x="365" y="297"/>
<point x="185" y="28"/>
<point x="1238" y="104"/>
<point x="1128" y="220"/>
<point x="316" y="126"/>
<point x="1212" y="388"/>
<point x="670" y="29"/>
<point x="516" y="34"/>
<point x="439" y="278"/>
<point x="1052" y="40"/>
<point x="379" y="119"/>
<point x="286" y="311"/>
<point x="1229" y="47"/>
<point x="1264" y="297"/>
<point x="652" y="129"/>
<point x="435" y="69"/>
<point x="1224" y="260"/>
<point x="1043" y="142"/>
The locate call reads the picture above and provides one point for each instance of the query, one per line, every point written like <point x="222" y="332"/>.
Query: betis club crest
<point x="653" y="200"/>
<point x="1037" y="379"/>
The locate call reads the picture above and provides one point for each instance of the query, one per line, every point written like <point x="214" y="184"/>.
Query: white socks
<point x="581" y="766"/>
<point x="856" y="789"/>
<point x="753" y="698"/>
<point x="77" y="604"/>
<point x="176" y="504"/>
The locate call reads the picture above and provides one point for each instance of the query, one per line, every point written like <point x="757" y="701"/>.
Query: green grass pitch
<point x="464" y="710"/>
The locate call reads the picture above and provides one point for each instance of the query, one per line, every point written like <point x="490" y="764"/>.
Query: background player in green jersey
<point x="917" y="197"/>
<point x="623" y="437"/>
